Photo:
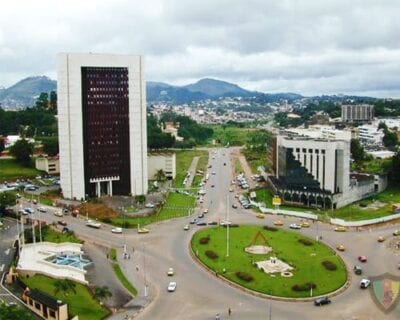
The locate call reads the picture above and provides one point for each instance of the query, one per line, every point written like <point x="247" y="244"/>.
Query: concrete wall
<point x="164" y="161"/>
<point x="70" y="119"/>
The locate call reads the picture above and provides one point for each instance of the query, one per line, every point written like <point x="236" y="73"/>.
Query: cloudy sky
<point x="304" y="46"/>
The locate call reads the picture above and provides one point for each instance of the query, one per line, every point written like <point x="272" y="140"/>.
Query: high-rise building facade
<point x="102" y="125"/>
<point x="357" y="113"/>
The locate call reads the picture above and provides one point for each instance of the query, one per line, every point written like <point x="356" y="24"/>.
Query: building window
<point x="37" y="306"/>
<point x="323" y="151"/>
<point x="52" y="313"/>
<point x="297" y="149"/>
<point x="304" y="150"/>
<point x="316" y="151"/>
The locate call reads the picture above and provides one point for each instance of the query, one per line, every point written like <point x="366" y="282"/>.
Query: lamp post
<point x="144" y="269"/>
<point x="227" y="226"/>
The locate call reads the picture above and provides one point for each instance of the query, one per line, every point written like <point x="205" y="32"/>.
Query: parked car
<point x="29" y="210"/>
<point x="42" y="209"/>
<point x="150" y="205"/>
<point x="193" y="221"/>
<point x="201" y="223"/>
<point x="364" y="283"/>
<point x="213" y="223"/>
<point x="58" y="213"/>
<point x="205" y="211"/>
<point x="396" y="232"/>
<point x="322" y="301"/>
<point x="295" y="226"/>
<point x="62" y="222"/>
<point x="93" y="224"/>
<point x="357" y="269"/>
<point x="201" y="215"/>
<point x="143" y="230"/>
<point x="116" y="230"/>
<point x="381" y="238"/>
<point x="234" y="206"/>
<point x="171" y="286"/>
<point x="362" y="258"/>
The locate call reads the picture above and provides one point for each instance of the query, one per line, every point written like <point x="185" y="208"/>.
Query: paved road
<point x="200" y="295"/>
<point x="192" y="170"/>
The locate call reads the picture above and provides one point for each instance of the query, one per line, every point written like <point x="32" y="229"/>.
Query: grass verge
<point x="121" y="277"/>
<point x="12" y="170"/>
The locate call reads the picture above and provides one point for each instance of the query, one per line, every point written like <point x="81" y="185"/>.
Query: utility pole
<point x="144" y="269"/>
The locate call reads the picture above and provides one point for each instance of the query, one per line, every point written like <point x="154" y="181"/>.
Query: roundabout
<point x="293" y="266"/>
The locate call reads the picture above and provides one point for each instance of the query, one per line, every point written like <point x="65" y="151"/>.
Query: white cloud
<point x="305" y="46"/>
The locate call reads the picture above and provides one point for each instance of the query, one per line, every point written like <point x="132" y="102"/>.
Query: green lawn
<point x="238" y="166"/>
<point x="121" y="277"/>
<point x="80" y="303"/>
<point x="256" y="159"/>
<point x="176" y="205"/>
<point x="50" y="235"/>
<point x="11" y="170"/>
<point x="201" y="165"/>
<point x="374" y="166"/>
<point x="230" y="134"/>
<point x="183" y="161"/>
<point x="306" y="260"/>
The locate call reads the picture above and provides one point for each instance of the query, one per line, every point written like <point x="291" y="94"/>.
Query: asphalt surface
<point x="201" y="295"/>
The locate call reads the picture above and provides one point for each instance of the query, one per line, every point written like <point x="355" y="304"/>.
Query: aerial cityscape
<point x="200" y="160"/>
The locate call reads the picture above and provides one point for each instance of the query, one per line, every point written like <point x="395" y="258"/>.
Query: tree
<point x="2" y="144"/>
<point x="53" y="101"/>
<point x="43" y="101"/>
<point x="12" y="312"/>
<point x="102" y="293"/>
<point x="7" y="199"/>
<point x="65" y="286"/>
<point x="357" y="151"/>
<point x="22" y="151"/>
<point x="395" y="169"/>
<point x="160" y="175"/>
<point x="390" y="139"/>
<point x="50" y="146"/>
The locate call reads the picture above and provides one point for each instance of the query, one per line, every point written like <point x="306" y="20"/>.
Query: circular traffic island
<point x="270" y="261"/>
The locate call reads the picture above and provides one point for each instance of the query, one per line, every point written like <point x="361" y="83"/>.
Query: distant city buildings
<point x="102" y="125"/>
<point x="357" y="112"/>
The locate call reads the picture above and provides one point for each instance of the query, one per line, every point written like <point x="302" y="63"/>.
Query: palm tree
<point x="64" y="286"/>
<point x="102" y="293"/>
<point x="160" y="175"/>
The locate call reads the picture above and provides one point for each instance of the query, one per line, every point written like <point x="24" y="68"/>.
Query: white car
<point x="364" y="283"/>
<point x="58" y="213"/>
<point x="93" y="224"/>
<point x="171" y="286"/>
<point x="170" y="272"/>
<point x="225" y="223"/>
<point x="186" y="227"/>
<point x="116" y="230"/>
<point x="295" y="226"/>
<point x="29" y="210"/>
<point x="150" y="205"/>
<point x="42" y="209"/>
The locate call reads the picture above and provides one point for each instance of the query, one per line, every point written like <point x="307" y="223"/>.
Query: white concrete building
<point x="357" y="112"/>
<point x="370" y="135"/>
<point x="51" y="165"/>
<point x="102" y="125"/>
<point x="165" y="161"/>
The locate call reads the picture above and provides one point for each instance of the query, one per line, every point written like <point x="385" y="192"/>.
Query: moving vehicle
<point x="234" y="206"/>
<point x="295" y="226"/>
<point x="396" y="232"/>
<point x="278" y="223"/>
<point x="93" y="224"/>
<point x="305" y="224"/>
<point x="170" y="272"/>
<point x="225" y="223"/>
<point x="201" y="215"/>
<point x="357" y="269"/>
<point x="205" y="211"/>
<point x="341" y="247"/>
<point x="171" y="286"/>
<point x="260" y="216"/>
<point x="193" y="221"/>
<point x="340" y="229"/>
<point x="213" y="223"/>
<point x="116" y="230"/>
<point x="143" y="230"/>
<point x="362" y="258"/>
<point x="322" y="301"/>
<point x="62" y="222"/>
<point x="150" y="205"/>
<point x="381" y="239"/>
<point x="364" y="283"/>
<point x="201" y="223"/>
<point x="58" y="213"/>
<point x="186" y="227"/>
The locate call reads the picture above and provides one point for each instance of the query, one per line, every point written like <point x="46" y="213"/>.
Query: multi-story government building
<point x="316" y="172"/>
<point x="102" y="125"/>
<point x="357" y="113"/>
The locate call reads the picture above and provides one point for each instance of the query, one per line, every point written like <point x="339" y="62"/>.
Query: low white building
<point x="51" y="165"/>
<point x="370" y="135"/>
<point x="165" y="161"/>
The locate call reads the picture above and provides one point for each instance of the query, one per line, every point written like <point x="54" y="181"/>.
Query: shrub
<point x="270" y="228"/>
<point x="329" y="265"/>
<point x="204" y="240"/>
<point x="244" y="276"/>
<point x="306" y="242"/>
<point x="211" y="254"/>
<point x="304" y="287"/>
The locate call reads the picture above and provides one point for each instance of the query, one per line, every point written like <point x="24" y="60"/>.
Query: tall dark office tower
<point x="102" y="125"/>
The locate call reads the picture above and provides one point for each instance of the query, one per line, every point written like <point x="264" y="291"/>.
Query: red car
<point x="362" y="258"/>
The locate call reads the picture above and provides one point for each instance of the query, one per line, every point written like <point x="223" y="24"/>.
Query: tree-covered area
<point x="156" y="139"/>
<point x="192" y="132"/>
<point x="387" y="108"/>
<point x="13" y="312"/>
<point x="390" y="139"/>
<point x="22" y="151"/>
<point x="36" y="121"/>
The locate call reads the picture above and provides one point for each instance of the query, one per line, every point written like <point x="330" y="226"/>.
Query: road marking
<point x="7" y="252"/>
<point x="2" y="267"/>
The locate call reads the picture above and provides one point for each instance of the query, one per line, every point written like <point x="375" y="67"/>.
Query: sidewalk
<point x="134" y="271"/>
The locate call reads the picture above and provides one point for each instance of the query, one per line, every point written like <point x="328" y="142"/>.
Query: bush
<point x="304" y="287"/>
<point x="244" y="276"/>
<point x="329" y="265"/>
<point x="270" y="228"/>
<point x="211" y="254"/>
<point x="204" y="240"/>
<point x="306" y="242"/>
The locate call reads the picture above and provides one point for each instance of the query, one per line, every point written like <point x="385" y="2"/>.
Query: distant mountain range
<point x="24" y="92"/>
